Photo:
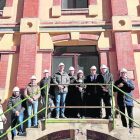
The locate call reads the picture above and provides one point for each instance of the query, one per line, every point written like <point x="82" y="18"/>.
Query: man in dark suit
<point x="105" y="90"/>
<point x="92" y="96"/>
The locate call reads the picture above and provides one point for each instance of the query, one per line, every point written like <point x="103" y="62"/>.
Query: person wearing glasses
<point x="123" y="101"/>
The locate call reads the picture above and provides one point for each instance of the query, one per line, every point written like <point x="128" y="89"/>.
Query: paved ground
<point x="136" y="112"/>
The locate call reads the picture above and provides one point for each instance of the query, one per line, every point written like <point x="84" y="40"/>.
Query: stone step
<point x="54" y="125"/>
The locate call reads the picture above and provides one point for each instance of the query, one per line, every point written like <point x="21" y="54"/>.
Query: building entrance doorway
<point x="80" y="57"/>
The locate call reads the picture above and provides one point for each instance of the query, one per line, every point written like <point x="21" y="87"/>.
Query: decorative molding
<point x="74" y="11"/>
<point x="14" y="49"/>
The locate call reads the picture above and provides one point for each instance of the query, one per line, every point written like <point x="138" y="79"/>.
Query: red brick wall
<point x="88" y="36"/>
<point x="61" y="37"/>
<point x="27" y="59"/>
<point x="9" y="3"/>
<point x="92" y="2"/>
<point x="56" y="2"/>
<point x="119" y="7"/>
<point x="125" y="55"/>
<point x="104" y="58"/>
<point x="31" y="8"/>
<point x="46" y="62"/>
<point x="3" y="69"/>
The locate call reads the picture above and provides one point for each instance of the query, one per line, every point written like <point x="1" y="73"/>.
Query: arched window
<point x="69" y="4"/>
<point x="2" y="4"/>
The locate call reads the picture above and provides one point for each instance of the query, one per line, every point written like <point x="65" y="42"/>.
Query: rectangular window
<point x="69" y="4"/>
<point x="2" y="4"/>
<point x="74" y="49"/>
<point x="67" y="60"/>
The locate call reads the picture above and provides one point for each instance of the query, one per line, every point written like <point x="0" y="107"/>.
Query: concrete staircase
<point x="97" y="125"/>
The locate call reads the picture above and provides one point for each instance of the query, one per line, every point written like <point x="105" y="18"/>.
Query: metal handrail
<point x="22" y="101"/>
<point x="113" y="106"/>
<point x="43" y="108"/>
<point x="126" y="94"/>
<point x="22" y="122"/>
<point x="127" y="116"/>
<point x="129" y="97"/>
<point x="41" y="89"/>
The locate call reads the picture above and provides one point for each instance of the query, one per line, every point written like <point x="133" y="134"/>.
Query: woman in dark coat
<point x="80" y="93"/>
<point x="70" y="100"/>
<point x="125" y="84"/>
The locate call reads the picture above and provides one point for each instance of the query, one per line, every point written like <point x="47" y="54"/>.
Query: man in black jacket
<point x="105" y="90"/>
<point x="16" y="112"/>
<point x="70" y="98"/>
<point x="92" y="96"/>
<point x="44" y="81"/>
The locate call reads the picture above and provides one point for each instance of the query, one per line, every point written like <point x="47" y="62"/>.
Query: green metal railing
<point x="113" y="105"/>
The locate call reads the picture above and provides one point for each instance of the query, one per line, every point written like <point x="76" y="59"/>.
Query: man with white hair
<point x="125" y="84"/>
<point x="2" y="120"/>
<point x="32" y="102"/>
<point x="44" y="81"/>
<point x="92" y="96"/>
<point x="16" y="112"/>
<point x="105" y="90"/>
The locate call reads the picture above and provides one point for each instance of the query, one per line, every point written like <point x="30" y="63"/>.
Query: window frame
<point x="74" y="6"/>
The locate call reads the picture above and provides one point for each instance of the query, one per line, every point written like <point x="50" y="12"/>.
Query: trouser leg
<point x="35" y="107"/>
<point x="1" y="132"/>
<point x="107" y="102"/>
<point x="130" y="114"/>
<point x="57" y="97"/>
<point x="123" y="119"/>
<point x="63" y="97"/>
<point x="29" y="110"/>
<point x="20" y="119"/>
<point x="83" y="110"/>
<point x="13" y="124"/>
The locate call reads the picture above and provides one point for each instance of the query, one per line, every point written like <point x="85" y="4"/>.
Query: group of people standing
<point x="77" y="94"/>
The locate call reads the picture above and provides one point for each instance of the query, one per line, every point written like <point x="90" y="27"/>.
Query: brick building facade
<point x="38" y="34"/>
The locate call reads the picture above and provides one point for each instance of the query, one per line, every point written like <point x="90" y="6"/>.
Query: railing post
<point x="113" y="104"/>
<point x="46" y="107"/>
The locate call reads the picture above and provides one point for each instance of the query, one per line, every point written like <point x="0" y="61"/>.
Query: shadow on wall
<point x="106" y="10"/>
<point x="20" y="7"/>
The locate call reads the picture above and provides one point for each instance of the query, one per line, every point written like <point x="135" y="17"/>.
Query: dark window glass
<point x="81" y="3"/>
<point x="68" y="61"/>
<point x="2" y="4"/>
<point x="74" y="49"/>
<point x="84" y="63"/>
<point x="67" y="4"/>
